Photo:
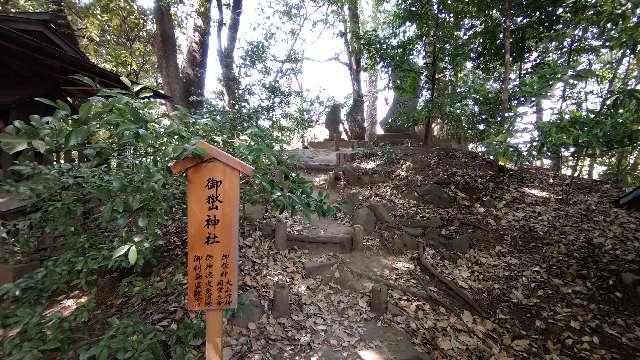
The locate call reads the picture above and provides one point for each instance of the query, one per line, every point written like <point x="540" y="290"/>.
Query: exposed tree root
<point x="461" y="293"/>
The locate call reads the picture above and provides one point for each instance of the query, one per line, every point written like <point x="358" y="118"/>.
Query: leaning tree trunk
<point x="506" y="75"/>
<point x="355" y="114"/>
<point x="194" y="67"/>
<point x="230" y="82"/>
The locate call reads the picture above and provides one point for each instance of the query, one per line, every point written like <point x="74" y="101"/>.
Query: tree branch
<point x="335" y="58"/>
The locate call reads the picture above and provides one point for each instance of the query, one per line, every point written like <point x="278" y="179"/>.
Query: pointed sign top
<point x="212" y="152"/>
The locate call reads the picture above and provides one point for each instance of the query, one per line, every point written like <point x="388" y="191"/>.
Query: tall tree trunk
<point x="506" y="75"/>
<point x="621" y="155"/>
<point x="539" y="120"/>
<point x="230" y="82"/>
<point x="372" y="86"/>
<point x="431" y="62"/>
<point x="186" y="87"/>
<point x="355" y="114"/>
<point x="577" y="157"/>
<point x="194" y="67"/>
<point x="556" y="163"/>
<point x="372" y="104"/>
<point x="556" y="158"/>
<point x="167" y="53"/>
<point x="591" y="168"/>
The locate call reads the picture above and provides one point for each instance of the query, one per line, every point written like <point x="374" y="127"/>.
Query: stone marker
<point x="250" y="312"/>
<point x="379" y="299"/>
<point x="268" y="228"/>
<point x="280" y="308"/>
<point x="350" y="175"/>
<point x="255" y="212"/>
<point x="366" y="218"/>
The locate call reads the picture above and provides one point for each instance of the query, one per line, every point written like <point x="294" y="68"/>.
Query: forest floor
<point x="550" y="265"/>
<point x="542" y="259"/>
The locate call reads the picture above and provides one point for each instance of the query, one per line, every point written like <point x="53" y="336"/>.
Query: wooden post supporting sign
<point x="213" y="200"/>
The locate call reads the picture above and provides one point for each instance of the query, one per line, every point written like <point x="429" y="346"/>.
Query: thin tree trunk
<point x="194" y="67"/>
<point x="539" y="120"/>
<point x="635" y="164"/>
<point x="591" y="168"/>
<point x="167" y="53"/>
<point x="372" y="104"/>
<point x="556" y="158"/>
<point x="506" y="75"/>
<point x="431" y="59"/>
<point x="621" y="155"/>
<point x="577" y="157"/>
<point x="230" y="82"/>
<point x="355" y="115"/>
<point x="372" y="87"/>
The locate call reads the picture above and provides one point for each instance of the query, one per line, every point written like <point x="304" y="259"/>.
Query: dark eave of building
<point x="56" y="53"/>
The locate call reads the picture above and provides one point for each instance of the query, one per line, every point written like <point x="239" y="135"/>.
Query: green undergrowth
<point x="105" y="302"/>
<point x="110" y="209"/>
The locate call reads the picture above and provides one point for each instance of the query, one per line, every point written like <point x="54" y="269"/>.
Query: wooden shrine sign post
<point x="213" y="200"/>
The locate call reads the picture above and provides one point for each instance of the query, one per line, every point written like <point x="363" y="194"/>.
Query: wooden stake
<point x="214" y="335"/>
<point x="356" y="238"/>
<point x="331" y="181"/>
<point x="280" y="308"/>
<point x="281" y="235"/>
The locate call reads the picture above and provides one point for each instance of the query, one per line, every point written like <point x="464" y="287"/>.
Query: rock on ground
<point x="366" y="218"/>
<point x="249" y="312"/>
<point x="381" y="212"/>
<point x="435" y="195"/>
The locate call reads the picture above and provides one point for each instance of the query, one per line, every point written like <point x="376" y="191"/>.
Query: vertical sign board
<point x="213" y="200"/>
<point x="213" y="196"/>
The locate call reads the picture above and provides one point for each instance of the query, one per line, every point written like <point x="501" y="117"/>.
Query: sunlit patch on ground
<point x="370" y="164"/>
<point x="370" y="355"/>
<point x="536" y="192"/>
<point x="66" y="304"/>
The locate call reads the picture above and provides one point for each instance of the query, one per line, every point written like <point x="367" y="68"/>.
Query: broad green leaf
<point x="13" y="143"/>
<point x="143" y="221"/>
<point x="39" y="145"/>
<point x="133" y="254"/>
<point x="83" y="79"/>
<point x="126" y="81"/>
<point x="63" y="106"/>
<point x="78" y="135"/>
<point x="121" y="250"/>
<point x="47" y="101"/>
<point x="84" y="111"/>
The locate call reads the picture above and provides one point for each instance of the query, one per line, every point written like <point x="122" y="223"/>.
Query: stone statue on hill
<point x="405" y="79"/>
<point x="332" y="122"/>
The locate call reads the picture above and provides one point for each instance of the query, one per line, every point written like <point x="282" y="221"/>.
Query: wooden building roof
<point x="38" y="57"/>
